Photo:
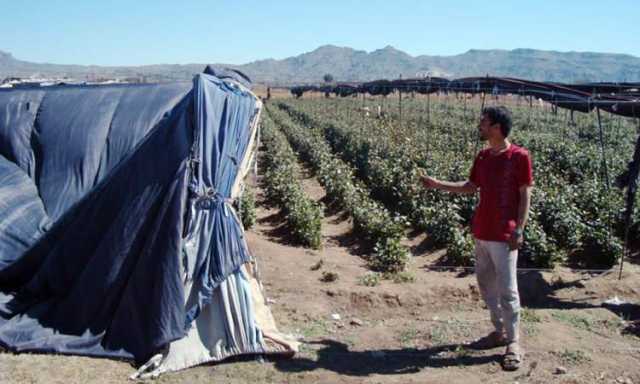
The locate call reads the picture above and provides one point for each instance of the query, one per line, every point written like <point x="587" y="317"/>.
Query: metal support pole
<point x="363" y="111"/>
<point x="604" y="157"/>
<point x="399" y="107"/>
<point x="464" y="95"/>
<point x="632" y="186"/>
<point x="475" y="150"/>
<point x="429" y="106"/>
<point x="573" y="122"/>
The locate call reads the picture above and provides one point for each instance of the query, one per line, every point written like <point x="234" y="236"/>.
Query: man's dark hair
<point x="499" y="115"/>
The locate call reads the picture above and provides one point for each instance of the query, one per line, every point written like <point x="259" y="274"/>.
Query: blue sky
<point x="133" y="32"/>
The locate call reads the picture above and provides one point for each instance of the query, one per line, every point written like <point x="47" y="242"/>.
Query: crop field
<point x="370" y="150"/>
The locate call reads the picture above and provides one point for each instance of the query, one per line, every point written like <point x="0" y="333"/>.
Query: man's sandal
<point x="512" y="358"/>
<point x="493" y="340"/>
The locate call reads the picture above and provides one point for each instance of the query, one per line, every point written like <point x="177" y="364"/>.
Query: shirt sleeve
<point x="525" y="170"/>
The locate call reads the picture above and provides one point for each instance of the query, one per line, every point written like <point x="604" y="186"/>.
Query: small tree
<point x="328" y="78"/>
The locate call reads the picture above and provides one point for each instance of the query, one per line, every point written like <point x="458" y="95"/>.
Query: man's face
<point x="486" y="128"/>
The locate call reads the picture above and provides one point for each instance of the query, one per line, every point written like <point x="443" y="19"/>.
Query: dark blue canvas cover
<point x="99" y="188"/>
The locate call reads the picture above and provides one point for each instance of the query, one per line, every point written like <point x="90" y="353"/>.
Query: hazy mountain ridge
<point x="347" y="64"/>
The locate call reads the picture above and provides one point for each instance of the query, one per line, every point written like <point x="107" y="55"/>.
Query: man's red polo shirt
<point x="499" y="178"/>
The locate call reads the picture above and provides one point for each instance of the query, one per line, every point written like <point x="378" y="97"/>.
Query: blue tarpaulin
<point x="113" y="199"/>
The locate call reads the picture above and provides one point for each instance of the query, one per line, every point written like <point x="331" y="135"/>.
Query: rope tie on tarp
<point x="205" y="279"/>
<point x="210" y="199"/>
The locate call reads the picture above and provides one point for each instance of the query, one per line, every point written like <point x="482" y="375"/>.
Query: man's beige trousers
<point x="496" y="273"/>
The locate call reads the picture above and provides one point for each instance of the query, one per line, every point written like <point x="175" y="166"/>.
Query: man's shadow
<point x="336" y="356"/>
<point x="536" y="292"/>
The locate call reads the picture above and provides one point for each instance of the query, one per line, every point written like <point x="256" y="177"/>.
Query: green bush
<point x="372" y="220"/>
<point x="460" y="249"/>
<point x="370" y="279"/>
<point x="389" y="256"/>
<point x="600" y="249"/>
<point x="248" y="208"/>
<point x="281" y="175"/>
<point x="537" y="249"/>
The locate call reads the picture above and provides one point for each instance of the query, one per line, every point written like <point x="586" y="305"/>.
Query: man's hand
<point x="454" y="187"/>
<point x="516" y="239"/>
<point x="428" y="181"/>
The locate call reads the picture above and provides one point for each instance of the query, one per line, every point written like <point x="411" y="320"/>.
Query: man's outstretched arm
<point x="464" y="187"/>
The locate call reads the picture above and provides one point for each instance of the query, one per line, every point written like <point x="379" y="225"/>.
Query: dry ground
<point x="398" y="332"/>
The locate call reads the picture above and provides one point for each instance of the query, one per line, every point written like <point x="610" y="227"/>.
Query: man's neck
<point x="499" y="145"/>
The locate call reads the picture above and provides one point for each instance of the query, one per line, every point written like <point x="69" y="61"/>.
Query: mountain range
<point x="348" y="64"/>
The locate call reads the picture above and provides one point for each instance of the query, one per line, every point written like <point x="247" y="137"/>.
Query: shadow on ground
<point x="335" y="356"/>
<point x="536" y="292"/>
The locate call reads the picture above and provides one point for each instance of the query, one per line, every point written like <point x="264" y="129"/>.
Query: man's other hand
<point x="515" y="241"/>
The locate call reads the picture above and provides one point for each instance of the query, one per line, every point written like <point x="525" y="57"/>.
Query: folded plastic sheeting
<point x="116" y="233"/>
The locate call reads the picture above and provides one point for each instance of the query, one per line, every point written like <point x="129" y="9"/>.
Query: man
<point x="504" y="176"/>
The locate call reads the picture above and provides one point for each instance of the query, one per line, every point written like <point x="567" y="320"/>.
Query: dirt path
<point x="396" y="332"/>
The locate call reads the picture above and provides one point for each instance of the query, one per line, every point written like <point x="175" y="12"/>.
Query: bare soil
<point x="398" y="332"/>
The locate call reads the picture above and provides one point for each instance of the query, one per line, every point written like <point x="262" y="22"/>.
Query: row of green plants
<point x="371" y="219"/>
<point x="575" y="216"/>
<point x="281" y="175"/>
<point x="247" y="207"/>
<point x="392" y="176"/>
